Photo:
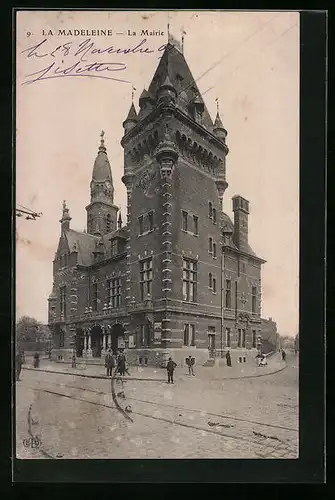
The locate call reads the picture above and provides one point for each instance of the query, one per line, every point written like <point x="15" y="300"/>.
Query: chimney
<point x="241" y="213"/>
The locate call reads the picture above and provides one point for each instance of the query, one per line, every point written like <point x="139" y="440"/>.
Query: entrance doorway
<point x="79" y="342"/>
<point x="211" y="344"/>
<point x="117" y="336"/>
<point x="96" y="340"/>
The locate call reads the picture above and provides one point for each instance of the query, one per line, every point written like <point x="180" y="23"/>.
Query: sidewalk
<point x="245" y="370"/>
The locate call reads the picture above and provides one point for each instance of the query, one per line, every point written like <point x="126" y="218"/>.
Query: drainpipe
<point x="222" y="295"/>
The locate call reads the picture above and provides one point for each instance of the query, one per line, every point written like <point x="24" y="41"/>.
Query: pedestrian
<point x="121" y="362"/>
<point x="190" y="363"/>
<point x="18" y="365"/>
<point x="36" y="360"/>
<point x="283" y="355"/>
<point x="171" y="365"/>
<point x="228" y="358"/>
<point x="259" y="358"/>
<point x="109" y="363"/>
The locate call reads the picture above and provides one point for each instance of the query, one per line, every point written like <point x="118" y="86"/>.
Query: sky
<point x="249" y="61"/>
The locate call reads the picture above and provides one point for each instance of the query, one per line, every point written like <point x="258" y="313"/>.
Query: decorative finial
<point x="64" y="205"/>
<point x="102" y="137"/>
<point x="132" y="93"/>
<point x="217" y="104"/>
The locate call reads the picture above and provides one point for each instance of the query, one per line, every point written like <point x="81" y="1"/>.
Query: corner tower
<point x="101" y="212"/>
<point x="174" y="172"/>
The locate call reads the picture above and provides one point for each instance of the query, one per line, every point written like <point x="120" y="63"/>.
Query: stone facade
<point x="179" y="276"/>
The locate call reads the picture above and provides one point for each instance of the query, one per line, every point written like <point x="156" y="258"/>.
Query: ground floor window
<point x="241" y="337"/>
<point x="254" y="338"/>
<point x="144" y="336"/>
<point x="61" y="338"/>
<point x="189" y="334"/>
<point x="228" y="337"/>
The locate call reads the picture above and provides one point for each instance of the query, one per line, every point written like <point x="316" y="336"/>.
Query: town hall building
<point x="178" y="277"/>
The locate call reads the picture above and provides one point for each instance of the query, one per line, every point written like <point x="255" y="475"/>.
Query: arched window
<point x="210" y="209"/>
<point x="210" y="245"/>
<point x="214" y="215"/>
<point x="210" y="280"/>
<point x="108" y="223"/>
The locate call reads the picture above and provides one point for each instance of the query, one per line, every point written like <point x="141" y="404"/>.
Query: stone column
<point x="109" y="341"/>
<point x="89" y="349"/>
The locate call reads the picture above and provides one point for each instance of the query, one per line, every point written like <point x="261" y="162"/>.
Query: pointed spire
<point x="168" y="84"/>
<point x="218" y="125"/>
<point x="65" y="220"/>
<point x="102" y="170"/>
<point x="119" y="222"/>
<point x="183" y="32"/>
<point x="132" y="115"/>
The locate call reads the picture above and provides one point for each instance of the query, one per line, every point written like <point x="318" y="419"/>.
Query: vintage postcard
<point x="157" y="235"/>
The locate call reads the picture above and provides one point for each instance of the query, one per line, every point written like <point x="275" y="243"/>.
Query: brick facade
<point x="179" y="277"/>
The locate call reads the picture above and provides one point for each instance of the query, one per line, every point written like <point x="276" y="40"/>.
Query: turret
<point x="167" y="93"/>
<point x="218" y="129"/>
<point x="131" y="120"/>
<point x="101" y="212"/>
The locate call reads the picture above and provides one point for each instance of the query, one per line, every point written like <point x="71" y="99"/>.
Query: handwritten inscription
<point x="71" y="59"/>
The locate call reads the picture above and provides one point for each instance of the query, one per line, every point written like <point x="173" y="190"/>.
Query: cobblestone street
<point x="197" y="417"/>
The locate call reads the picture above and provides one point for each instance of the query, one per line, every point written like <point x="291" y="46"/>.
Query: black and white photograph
<point x="157" y="235"/>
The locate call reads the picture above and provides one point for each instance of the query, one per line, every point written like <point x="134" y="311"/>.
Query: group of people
<point x="117" y="362"/>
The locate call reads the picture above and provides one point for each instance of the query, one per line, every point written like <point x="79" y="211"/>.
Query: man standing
<point x="228" y="358"/>
<point x="283" y="355"/>
<point x="121" y="364"/>
<point x="109" y="363"/>
<point x="190" y="363"/>
<point x="171" y="365"/>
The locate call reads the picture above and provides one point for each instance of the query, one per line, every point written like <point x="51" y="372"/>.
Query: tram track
<point x="170" y="421"/>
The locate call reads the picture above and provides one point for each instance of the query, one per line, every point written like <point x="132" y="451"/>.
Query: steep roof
<point x="174" y="67"/>
<point x="132" y="115"/>
<point x="84" y="244"/>
<point x="102" y="169"/>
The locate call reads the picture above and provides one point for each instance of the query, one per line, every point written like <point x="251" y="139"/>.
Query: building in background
<point x="179" y="277"/>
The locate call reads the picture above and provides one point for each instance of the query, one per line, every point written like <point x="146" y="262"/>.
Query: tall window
<point x="108" y="223"/>
<point x="144" y="338"/>
<point x="189" y="280"/>
<point x="115" y="247"/>
<point x="145" y="278"/>
<point x="184" y="220"/>
<point x="61" y="338"/>
<point x="195" y="224"/>
<point x="150" y="221"/>
<point x="254" y="299"/>
<point x="140" y="224"/>
<point x="95" y="296"/>
<point x="210" y="280"/>
<point x="228" y="337"/>
<point x="63" y="300"/>
<point x="189" y="334"/>
<point x="254" y="338"/>
<point x="214" y="285"/>
<point x="243" y="337"/>
<point x="114" y="292"/>
<point x="228" y="294"/>
<point x="214" y="249"/>
<point x="210" y="209"/>
<point x="210" y="245"/>
<point x="214" y="215"/>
